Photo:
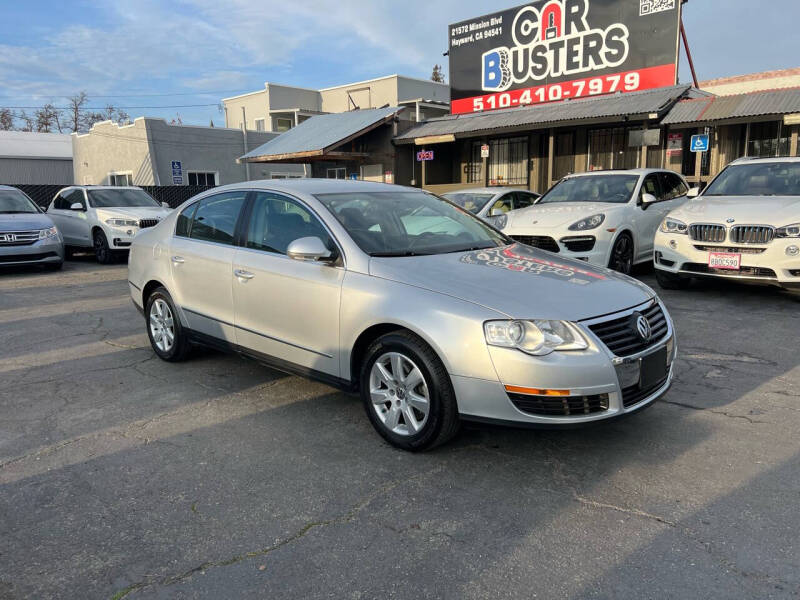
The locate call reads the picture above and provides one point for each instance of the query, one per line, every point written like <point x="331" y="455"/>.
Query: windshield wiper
<point x="402" y="253"/>
<point x="17" y="212"/>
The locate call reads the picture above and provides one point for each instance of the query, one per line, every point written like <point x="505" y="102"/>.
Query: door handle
<point x="178" y="260"/>
<point x="243" y="274"/>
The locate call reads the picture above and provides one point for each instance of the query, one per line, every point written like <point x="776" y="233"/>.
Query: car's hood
<point x="135" y="212"/>
<point x="519" y="281"/>
<point x="24" y="222"/>
<point x="755" y="210"/>
<point x="556" y="215"/>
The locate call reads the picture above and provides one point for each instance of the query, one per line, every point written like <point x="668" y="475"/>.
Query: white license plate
<point x="725" y="260"/>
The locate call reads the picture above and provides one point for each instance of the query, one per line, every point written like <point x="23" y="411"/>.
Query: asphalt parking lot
<point x="123" y="476"/>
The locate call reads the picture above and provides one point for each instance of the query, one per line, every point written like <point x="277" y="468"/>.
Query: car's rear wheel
<point x="101" y="249"/>
<point x="671" y="281"/>
<point x="164" y="329"/>
<point x="622" y="254"/>
<point x="407" y="393"/>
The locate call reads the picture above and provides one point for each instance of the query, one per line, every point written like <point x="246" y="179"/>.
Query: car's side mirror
<point x="309" y="249"/>
<point x="165" y="205"/>
<point x="648" y="199"/>
<point x="693" y="193"/>
<point x="76" y="206"/>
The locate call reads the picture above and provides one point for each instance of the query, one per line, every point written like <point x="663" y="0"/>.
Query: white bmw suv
<point x="745" y="226"/>
<point x="606" y="218"/>
<point x="104" y="218"/>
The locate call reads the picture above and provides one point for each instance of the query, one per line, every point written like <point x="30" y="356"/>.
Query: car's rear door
<point x="201" y="258"/>
<point x="284" y="308"/>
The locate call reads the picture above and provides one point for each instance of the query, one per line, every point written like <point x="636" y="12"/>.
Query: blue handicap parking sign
<point x="700" y="143"/>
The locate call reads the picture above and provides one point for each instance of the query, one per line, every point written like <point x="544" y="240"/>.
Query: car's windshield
<point x="120" y="198"/>
<point x="14" y="201"/>
<point x="760" y="179"/>
<point x="407" y="223"/>
<point x="592" y="188"/>
<point x="471" y="201"/>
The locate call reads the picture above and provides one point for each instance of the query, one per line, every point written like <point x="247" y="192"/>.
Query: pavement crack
<point x="716" y="412"/>
<point x="629" y="511"/>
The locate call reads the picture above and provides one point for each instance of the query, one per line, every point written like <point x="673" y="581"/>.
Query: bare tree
<point x="75" y="108"/>
<point x="48" y="119"/>
<point x="6" y="119"/>
<point x="437" y="75"/>
<point x="28" y="122"/>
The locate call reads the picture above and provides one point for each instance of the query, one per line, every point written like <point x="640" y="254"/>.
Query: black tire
<point x="622" y="254"/>
<point x="181" y="345"/>
<point x="442" y="420"/>
<point x="104" y="254"/>
<point x="671" y="281"/>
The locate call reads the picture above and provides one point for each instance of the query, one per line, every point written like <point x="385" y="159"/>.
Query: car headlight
<point x="538" y="337"/>
<point x="50" y="232"/>
<point x="670" y="225"/>
<point x="498" y="222"/>
<point x="588" y="223"/>
<point x="122" y="222"/>
<point x="790" y="231"/>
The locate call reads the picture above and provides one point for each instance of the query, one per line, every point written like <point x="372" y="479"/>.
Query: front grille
<point x="633" y="395"/>
<point x="560" y="406"/>
<point x="707" y="233"/>
<point x="18" y="238"/>
<point x="8" y="258"/>
<point x="621" y="336"/>
<point x="537" y="241"/>
<point x="752" y="234"/>
<point x="743" y="272"/>
<point x="579" y="244"/>
<point x="145" y="223"/>
<point x="730" y="250"/>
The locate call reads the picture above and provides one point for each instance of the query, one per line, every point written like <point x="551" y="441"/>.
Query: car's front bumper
<point x="43" y="252"/>
<point x="569" y="243"/>
<point x="120" y="238"/>
<point x="766" y="264"/>
<point x="595" y="375"/>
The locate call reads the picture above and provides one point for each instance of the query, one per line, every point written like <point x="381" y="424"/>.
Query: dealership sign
<point x="552" y="50"/>
<point x="424" y="155"/>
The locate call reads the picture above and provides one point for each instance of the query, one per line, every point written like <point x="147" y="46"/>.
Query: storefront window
<point x="768" y="139"/>
<point x="608" y="149"/>
<point x="475" y="165"/>
<point x="508" y="161"/>
<point x="563" y="155"/>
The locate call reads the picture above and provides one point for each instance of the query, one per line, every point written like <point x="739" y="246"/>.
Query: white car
<point x="606" y="218"/>
<point x="745" y="226"/>
<point x="491" y="203"/>
<point x="104" y="218"/>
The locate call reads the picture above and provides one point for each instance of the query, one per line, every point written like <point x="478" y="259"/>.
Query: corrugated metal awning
<point x="319" y="136"/>
<point x="741" y="106"/>
<point x="647" y="104"/>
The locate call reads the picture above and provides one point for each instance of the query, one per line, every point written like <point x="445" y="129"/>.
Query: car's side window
<point x="523" y="200"/>
<point x="650" y="186"/>
<point x="276" y="221"/>
<point x="216" y="216"/>
<point x="673" y="186"/>
<point x="504" y="203"/>
<point x="59" y="202"/>
<point x="184" y="225"/>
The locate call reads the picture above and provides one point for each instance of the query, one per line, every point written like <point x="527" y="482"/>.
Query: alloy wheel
<point x="162" y="325"/>
<point x="399" y="393"/>
<point x="622" y="255"/>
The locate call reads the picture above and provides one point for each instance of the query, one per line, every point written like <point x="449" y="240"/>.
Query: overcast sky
<point x="202" y="50"/>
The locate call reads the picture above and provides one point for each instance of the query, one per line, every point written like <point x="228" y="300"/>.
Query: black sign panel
<point x="551" y="50"/>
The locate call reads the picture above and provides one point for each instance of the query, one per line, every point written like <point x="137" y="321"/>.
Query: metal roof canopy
<point x="646" y="105"/>
<point x="740" y="106"/>
<point x="25" y="144"/>
<point x="318" y="137"/>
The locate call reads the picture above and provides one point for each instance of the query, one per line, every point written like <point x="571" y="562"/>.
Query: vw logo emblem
<point x="731" y="220"/>
<point x="643" y="327"/>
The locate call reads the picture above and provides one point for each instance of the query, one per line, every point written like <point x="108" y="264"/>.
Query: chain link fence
<point x="174" y="195"/>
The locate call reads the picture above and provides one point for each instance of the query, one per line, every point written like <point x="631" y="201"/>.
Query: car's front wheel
<point x="164" y="328"/>
<point x="622" y="254"/>
<point x="407" y="393"/>
<point x="102" y="251"/>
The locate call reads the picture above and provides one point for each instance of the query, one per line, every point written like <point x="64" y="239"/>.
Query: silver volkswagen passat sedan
<point x="428" y="312"/>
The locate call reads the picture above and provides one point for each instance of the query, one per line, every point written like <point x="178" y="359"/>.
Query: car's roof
<point x="486" y="190"/>
<point x="104" y="187"/>
<point x="315" y="186"/>
<point x="620" y="172"/>
<point x="7" y="187"/>
<point x="761" y="161"/>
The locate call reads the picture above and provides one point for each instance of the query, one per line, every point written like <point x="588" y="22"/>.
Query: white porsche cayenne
<point x="745" y="226"/>
<point x="606" y="218"/>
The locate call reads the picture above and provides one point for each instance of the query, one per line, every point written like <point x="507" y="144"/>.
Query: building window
<point x="260" y="125"/>
<point x="474" y="166"/>
<point x="768" y="139"/>
<point x="201" y="178"/>
<point x="609" y="149"/>
<point x="337" y="173"/>
<point x="120" y="179"/>
<point x="508" y="161"/>
<point x="282" y="124"/>
<point x="563" y="155"/>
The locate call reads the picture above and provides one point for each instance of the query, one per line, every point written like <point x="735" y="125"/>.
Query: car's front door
<point x="72" y="224"/>
<point x="284" y="308"/>
<point x="649" y="216"/>
<point x="201" y="258"/>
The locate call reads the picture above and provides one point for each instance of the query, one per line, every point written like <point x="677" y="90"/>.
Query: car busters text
<point x="559" y="46"/>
